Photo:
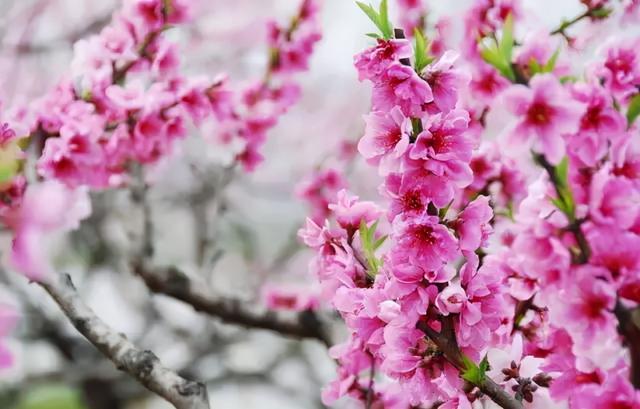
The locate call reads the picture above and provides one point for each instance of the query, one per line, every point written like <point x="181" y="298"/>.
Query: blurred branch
<point x="176" y="284"/>
<point x="143" y="365"/>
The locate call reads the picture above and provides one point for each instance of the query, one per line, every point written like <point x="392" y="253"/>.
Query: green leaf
<point x="422" y="58"/>
<point x="499" y="53"/>
<point x="387" y="27"/>
<point x="379" y="18"/>
<point x="373" y="35"/>
<point x="535" y="67"/>
<point x="51" y="397"/>
<point x="484" y="365"/>
<point x="562" y="171"/>
<point x="370" y="245"/>
<point x="506" y="41"/>
<point x="634" y="109"/>
<point x="551" y="64"/>
<point x="491" y="54"/>
<point x="370" y="12"/>
<point x="568" y="78"/>
<point x="601" y="12"/>
<point x="380" y="242"/>
<point x="472" y="372"/>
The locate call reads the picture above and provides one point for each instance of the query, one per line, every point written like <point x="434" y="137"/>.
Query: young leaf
<point x="634" y="109"/>
<point x="535" y="67"/>
<point x="506" y="42"/>
<point x="551" y="64"/>
<point x="370" y="12"/>
<point x="422" y="47"/>
<point x="386" y="26"/>
<point x="473" y="373"/>
<point x="379" y="18"/>
<point x="380" y="242"/>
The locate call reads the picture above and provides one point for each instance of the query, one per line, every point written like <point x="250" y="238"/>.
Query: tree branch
<point x="631" y="333"/>
<point x="143" y="365"/>
<point x="174" y="283"/>
<point x="447" y="344"/>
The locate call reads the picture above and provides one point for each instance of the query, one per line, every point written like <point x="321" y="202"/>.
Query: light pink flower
<point x="48" y="209"/>
<point x="385" y="134"/>
<point x="472" y="224"/>
<point x="351" y="212"/>
<point x="544" y="115"/>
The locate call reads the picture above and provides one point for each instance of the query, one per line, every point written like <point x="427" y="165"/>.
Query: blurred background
<point x="236" y="231"/>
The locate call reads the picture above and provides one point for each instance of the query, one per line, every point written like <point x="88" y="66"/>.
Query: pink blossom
<point x="614" y="250"/>
<point x="351" y="212"/>
<point x="621" y="69"/>
<point x="545" y="115"/>
<point x="616" y="393"/>
<point x="452" y="299"/>
<point x="385" y="134"/>
<point x="287" y="297"/>
<point x="487" y="82"/>
<point x="374" y="61"/>
<point x="445" y="81"/>
<point x="424" y="242"/>
<point x="447" y="146"/>
<point x="48" y="208"/>
<point x="473" y="226"/>
<point x="586" y="309"/>
<point x="401" y="86"/>
<point x="615" y="200"/>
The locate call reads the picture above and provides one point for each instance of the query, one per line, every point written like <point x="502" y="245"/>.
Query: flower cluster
<point x="425" y="278"/>
<point x="257" y="107"/>
<point x="126" y="102"/>
<point x="544" y="317"/>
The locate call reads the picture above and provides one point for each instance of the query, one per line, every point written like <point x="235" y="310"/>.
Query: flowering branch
<point x="447" y="344"/>
<point x="143" y="365"/>
<point x="174" y="283"/>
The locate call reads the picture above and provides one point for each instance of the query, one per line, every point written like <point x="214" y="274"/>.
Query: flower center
<point x="539" y="113"/>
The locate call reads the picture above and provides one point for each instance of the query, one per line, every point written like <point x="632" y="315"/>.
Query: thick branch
<point x="446" y="343"/>
<point x="631" y="333"/>
<point x="174" y="283"/>
<point x="143" y="365"/>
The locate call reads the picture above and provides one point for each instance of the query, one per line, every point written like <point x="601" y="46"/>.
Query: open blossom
<point x="446" y="145"/>
<point x="621" y="68"/>
<point x="586" y="308"/>
<point x="544" y="115"/>
<point x="351" y="212"/>
<point x="472" y="224"/>
<point x="48" y="209"/>
<point x="373" y="62"/>
<point x="424" y="242"/>
<point x="615" y="200"/>
<point x="385" y="134"/>
<point x="401" y="86"/>
<point x="445" y="81"/>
